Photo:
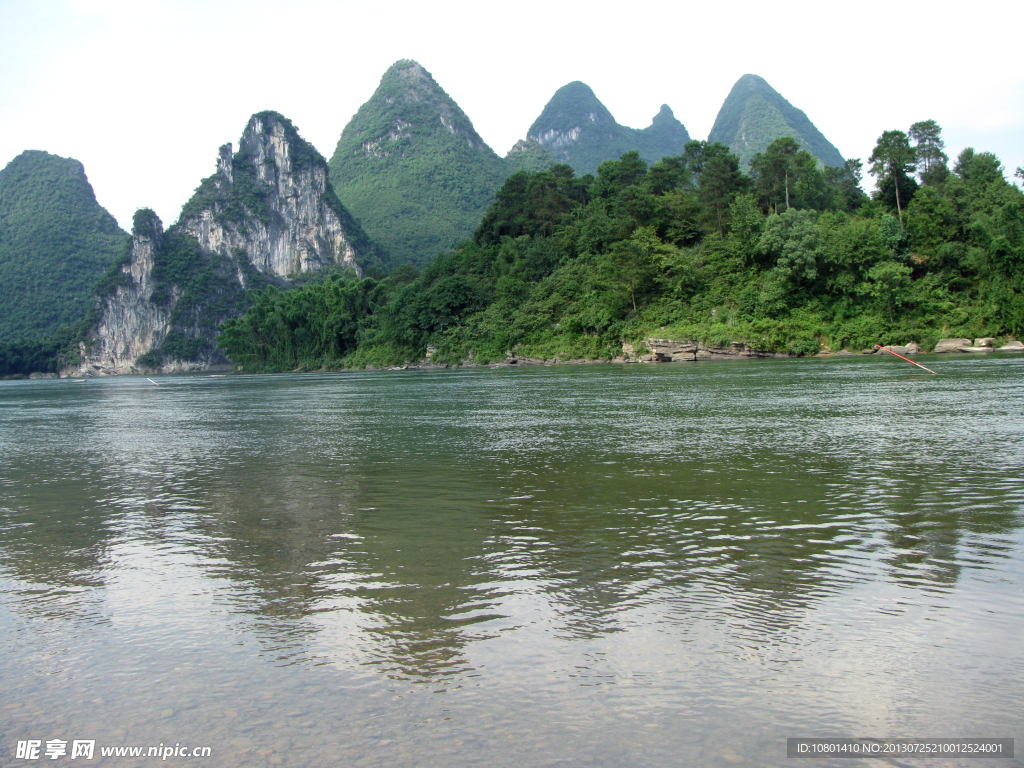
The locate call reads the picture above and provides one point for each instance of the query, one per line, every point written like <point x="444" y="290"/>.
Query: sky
<point x="143" y="92"/>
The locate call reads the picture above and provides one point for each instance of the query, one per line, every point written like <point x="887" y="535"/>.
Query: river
<point x="656" y="565"/>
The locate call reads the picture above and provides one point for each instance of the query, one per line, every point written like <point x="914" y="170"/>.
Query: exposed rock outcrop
<point x="951" y="345"/>
<point x="688" y="350"/>
<point x="267" y="214"/>
<point x="978" y="345"/>
<point x="298" y="224"/>
<point x="130" y="324"/>
<point x="913" y="348"/>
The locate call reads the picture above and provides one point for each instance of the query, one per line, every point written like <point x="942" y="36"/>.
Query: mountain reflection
<point x="393" y="522"/>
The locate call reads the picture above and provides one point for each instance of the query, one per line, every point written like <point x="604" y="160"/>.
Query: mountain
<point x="577" y="129"/>
<point x="267" y="217"/>
<point x="411" y="167"/>
<point x="55" y="243"/>
<point x="528" y="155"/>
<point x="755" y="114"/>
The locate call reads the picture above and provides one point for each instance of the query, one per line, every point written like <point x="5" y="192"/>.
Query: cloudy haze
<point x="143" y="93"/>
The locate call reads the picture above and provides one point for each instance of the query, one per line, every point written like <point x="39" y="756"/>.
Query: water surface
<point x="669" y="565"/>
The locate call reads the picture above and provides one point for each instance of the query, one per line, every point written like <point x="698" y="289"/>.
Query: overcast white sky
<point x="144" y="91"/>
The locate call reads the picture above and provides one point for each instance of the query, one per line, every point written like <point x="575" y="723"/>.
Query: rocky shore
<point x="662" y="350"/>
<point x="649" y="350"/>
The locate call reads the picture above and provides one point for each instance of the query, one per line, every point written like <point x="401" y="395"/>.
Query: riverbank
<point x="648" y="350"/>
<point x="660" y="350"/>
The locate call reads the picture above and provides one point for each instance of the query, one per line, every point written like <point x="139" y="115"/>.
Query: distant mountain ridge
<point x="754" y="114"/>
<point x="412" y="168"/>
<point x="55" y="243"/>
<point x="414" y="171"/>
<point x="577" y="129"/>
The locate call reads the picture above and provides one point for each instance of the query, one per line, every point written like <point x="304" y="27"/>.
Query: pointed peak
<point x="268" y="122"/>
<point x="665" y="116"/>
<point x="408" y="67"/>
<point x="407" y="80"/>
<point x="578" y="97"/>
<point x="750" y="80"/>
<point x="754" y="109"/>
<point x="576" y="87"/>
<point x="260" y="133"/>
<point x="573" y="106"/>
<point x="749" y="85"/>
<point x="146" y="224"/>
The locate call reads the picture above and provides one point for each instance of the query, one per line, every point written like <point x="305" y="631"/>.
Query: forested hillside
<point x="411" y="167"/>
<point x="792" y="257"/>
<point x="55" y="243"/>
<point x="754" y="115"/>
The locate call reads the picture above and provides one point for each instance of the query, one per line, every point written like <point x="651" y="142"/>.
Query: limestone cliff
<point x="268" y="215"/>
<point x="272" y="202"/>
<point x="129" y="323"/>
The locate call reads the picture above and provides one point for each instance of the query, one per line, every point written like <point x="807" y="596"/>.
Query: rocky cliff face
<point x="130" y="324"/>
<point x="297" y="223"/>
<point x="268" y="214"/>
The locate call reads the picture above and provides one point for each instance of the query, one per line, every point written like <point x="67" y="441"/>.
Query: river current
<point x="656" y="565"/>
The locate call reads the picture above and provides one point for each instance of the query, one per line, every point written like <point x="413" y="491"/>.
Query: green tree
<point x="844" y="185"/>
<point x="893" y="160"/>
<point x="774" y="168"/>
<point x="718" y="179"/>
<point x="809" y="187"/>
<point x="633" y="260"/>
<point x="928" y="152"/>
<point x="888" y="283"/>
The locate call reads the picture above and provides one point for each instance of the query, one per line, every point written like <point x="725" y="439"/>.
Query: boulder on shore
<point x="909" y="349"/>
<point x="951" y="345"/>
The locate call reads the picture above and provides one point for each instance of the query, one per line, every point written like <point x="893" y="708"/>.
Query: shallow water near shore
<point x="664" y="565"/>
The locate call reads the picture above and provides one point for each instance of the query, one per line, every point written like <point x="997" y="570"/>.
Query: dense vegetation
<point x="46" y="354"/>
<point x="754" y="114"/>
<point x="528" y="155"/>
<point x="600" y="137"/>
<point x="793" y="257"/>
<point x="411" y="167"/>
<point x="55" y="242"/>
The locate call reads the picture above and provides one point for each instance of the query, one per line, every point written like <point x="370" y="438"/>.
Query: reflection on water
<point x="681" y="564"/>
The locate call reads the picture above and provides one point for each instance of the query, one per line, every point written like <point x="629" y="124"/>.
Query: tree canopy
<point x="689" y="247"/>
